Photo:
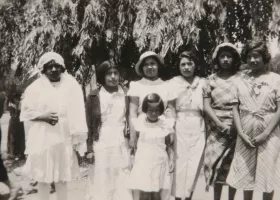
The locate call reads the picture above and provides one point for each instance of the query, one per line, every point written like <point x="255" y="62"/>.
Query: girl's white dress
<point x="50" y="149"/>
<point x="150" y="172"/>
<point x="107" y="177"/>
<point x="189" y="134"/>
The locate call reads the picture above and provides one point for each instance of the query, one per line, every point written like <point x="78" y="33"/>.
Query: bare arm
<point x="171" y="105"/>
<point x="133" y="114"/>
<point x="258" y="140"/>
<point x="236" y="119"/>
<point x="210" y="112"/>
<point x="170" y="151"/>
<point x="274" y="121"/>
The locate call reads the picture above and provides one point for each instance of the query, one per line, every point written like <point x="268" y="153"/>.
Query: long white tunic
<point x="50" y="149"/>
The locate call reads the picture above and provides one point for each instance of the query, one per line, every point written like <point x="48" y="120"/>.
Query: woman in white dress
<point x="150" y="67"/>
<point x="106" y="119"/>
<point x="190" y="126"/>
<point x="53" y="106"/>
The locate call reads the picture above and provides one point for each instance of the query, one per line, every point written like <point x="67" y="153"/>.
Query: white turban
<point x="47" y="57"/>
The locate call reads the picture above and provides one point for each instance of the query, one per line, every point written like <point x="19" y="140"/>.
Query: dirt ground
<point x="76" y="189"/>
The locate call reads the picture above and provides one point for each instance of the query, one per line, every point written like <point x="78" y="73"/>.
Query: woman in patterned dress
<point x="190" y="126"/>
<point x="217" y="106"/>
<point x="256" y="162"/>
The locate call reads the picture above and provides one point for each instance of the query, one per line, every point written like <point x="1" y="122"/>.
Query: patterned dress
<point x="219" y="146"/>
<point x="257" y="168"/>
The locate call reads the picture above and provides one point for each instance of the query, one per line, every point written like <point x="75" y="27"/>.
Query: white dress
<point x="50" y="149"/>
<point x="190" y="135"/>
<point x="144" y="87"/>
<point x="107" y="177"/>
<point x="150" y="172"/>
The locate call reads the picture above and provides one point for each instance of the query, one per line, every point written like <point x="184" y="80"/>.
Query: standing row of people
<point x="168" y="143"/>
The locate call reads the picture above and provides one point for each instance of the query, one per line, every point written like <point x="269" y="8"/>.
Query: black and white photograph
<point x="139" y="99"/>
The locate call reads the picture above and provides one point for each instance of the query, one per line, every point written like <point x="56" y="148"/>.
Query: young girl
<point x="106" y="118"/>
<point x="154" y="154"/>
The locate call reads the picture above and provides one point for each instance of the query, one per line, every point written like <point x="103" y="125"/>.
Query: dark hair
<point x="192" y="56"/>
<point x="259" y="46"/>
<point x="49" y="64"/>
<point x="152" y="98"/>
<point x="160" y="66"/>
<point x="236" y="58"/>
<point x="103" y="69"/>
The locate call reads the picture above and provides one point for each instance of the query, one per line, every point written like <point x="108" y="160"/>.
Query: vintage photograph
<point x="139" y="100"/>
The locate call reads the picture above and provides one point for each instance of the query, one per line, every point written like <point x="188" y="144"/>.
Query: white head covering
<point x="225" y="44"/>
<point x="47" y="57"/>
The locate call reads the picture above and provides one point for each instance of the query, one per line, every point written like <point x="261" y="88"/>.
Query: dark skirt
<point x="16" y="138"/>
<point x="3" y="171"/>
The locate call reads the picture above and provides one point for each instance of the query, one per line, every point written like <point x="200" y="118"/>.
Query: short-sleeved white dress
<point x="150" y="172"/>
<point x="144" y="87"/>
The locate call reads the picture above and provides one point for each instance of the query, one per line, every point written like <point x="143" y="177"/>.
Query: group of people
<point x="151" y="142"/>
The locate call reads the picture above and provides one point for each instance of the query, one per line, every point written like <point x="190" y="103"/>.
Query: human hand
<point x="51" y="118"/>
<point x="132" y="143"/>
<point x="171" y="166"/>
<point x="248" y="141"/>
<point x="225" y="129"/>
<point x="90" y="157"/>
<point x="260" y="139"/>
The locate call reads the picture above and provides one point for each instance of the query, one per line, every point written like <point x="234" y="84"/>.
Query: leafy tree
<point x="87" y="32"/>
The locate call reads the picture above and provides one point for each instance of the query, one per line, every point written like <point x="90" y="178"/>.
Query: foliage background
<point x="87" y="32"/>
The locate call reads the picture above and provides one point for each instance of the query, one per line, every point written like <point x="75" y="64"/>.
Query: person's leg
<point x="190" y="198"/>
<point x="268" y="196"/>
<point x="52" y="188"/>
<point x="44" y="191"/>
<point x="217" y="191"/>
<point x="231" y="193"/>
<point x="61" y="190"/>
<point x="248" y="194"/>
<point x="155" y="196"/>
<point x="145" y="195"/>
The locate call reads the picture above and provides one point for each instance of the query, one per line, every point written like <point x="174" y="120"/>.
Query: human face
<point x="112" y="77"/>
<point x="153" y="112"/>
<point x="150" y="68"/>
<point x="187" y="67"/>
<point x="255" y="60"/>
<point x="53" y="71"/>
<point x="225" y="60"/>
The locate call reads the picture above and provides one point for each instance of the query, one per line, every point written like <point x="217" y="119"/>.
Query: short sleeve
<point x="172" y="93"/>
<point x="138" y="122"/>
<point x="206" y="89"/>
<point x="234" y="92"/>
<point x="133" y="89"/>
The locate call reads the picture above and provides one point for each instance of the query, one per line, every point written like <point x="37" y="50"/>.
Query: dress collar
<point x="183" y="81"/>
<point x="149" y="82"/>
